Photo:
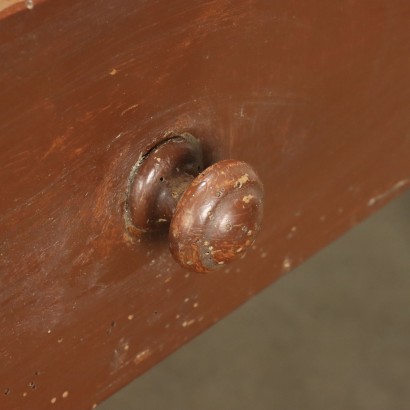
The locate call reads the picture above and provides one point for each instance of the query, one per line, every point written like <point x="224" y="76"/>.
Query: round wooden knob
<point x="214" y="214"/>
<point x="218" y="216"/>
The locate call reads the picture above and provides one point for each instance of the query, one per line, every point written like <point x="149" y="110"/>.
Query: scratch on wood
<point x="129" y="109"/>
<point x="392" y="190"/>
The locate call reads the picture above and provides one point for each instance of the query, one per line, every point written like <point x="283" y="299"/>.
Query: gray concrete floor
<point x="333" y="334"/>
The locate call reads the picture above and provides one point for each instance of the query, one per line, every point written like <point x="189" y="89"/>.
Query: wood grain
<point x="315" y="95"/>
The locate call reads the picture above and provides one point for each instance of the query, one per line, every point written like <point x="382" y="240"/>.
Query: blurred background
<point x="332" y="334"/>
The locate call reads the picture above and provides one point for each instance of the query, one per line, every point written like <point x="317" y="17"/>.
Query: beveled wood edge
<point x="10" y="7"/>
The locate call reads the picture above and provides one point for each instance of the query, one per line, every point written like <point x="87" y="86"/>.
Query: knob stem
<point x="158" y="181"/>
<point x="170" y="194"/>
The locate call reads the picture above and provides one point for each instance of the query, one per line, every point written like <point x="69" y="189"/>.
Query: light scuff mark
<point x="141" y="356"/>
<point x="130" y="108"/>
<point x="287" y="264"/>
<point x="120" y="355"/>
<point x="188" y="323"/>
<point x="292" y="232"/>
<point x="398" y="185"/>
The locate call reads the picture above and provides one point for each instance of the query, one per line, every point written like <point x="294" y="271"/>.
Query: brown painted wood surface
<point x="315" y="95"/>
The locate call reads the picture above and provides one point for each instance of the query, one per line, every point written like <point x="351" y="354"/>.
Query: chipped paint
<point x="247" y="198"/>
<point x="241" y="181"/>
